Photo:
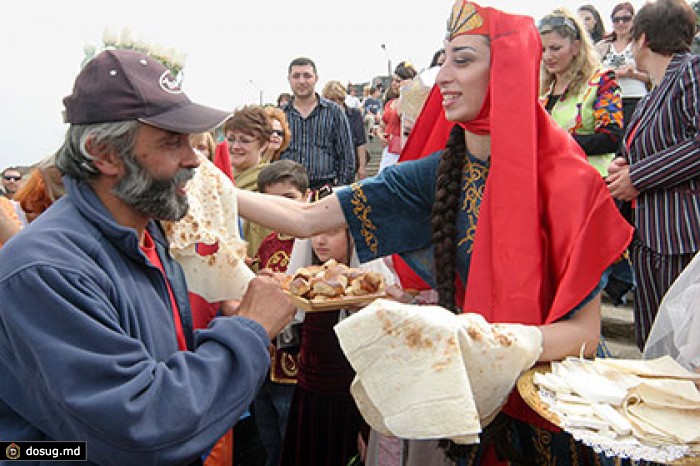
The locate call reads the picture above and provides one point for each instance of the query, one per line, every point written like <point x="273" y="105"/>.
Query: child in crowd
<point x="324" y="423"/>
<point x="289" y="179"/>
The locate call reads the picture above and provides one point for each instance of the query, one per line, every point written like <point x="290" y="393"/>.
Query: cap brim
<point x="190" y="118"/>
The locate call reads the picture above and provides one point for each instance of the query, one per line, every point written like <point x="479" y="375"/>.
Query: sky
<point x="235" y="50"/>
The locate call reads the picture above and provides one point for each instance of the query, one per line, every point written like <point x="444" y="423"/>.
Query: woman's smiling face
<point x="464" y="77"/>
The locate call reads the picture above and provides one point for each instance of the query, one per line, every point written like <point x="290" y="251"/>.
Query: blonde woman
<point x="584" y="98"/>
<point x="581" y="96"/>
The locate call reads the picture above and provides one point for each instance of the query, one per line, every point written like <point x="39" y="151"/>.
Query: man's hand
<point x="266" y="303"/>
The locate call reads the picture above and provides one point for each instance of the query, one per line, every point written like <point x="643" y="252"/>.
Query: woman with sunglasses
<point x="616" y="53"/>
<point x="248" y="132"/>
<point x="281" y="135"/>
<point x="495" y="208"/>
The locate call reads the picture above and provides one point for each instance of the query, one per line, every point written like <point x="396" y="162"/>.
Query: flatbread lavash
<point x="425" y="373"/>
<point x="212" y="219"/>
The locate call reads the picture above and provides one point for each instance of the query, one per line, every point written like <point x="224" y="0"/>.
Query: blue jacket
<point x="88" y="349"/>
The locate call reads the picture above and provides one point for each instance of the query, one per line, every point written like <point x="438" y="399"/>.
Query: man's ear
<point x="105" y="159"/>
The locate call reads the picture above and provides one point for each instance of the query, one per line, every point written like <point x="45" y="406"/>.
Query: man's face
<point x="11" y="180"/>
<point x="156" y="172"/>
<point x="302" y="81"/>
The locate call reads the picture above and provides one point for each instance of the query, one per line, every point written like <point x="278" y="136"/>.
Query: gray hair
<point x="73" y="158"/>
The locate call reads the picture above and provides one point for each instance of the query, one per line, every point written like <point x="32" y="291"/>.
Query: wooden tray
<point x="530" y="393"/>
<point x="333" y="304"/>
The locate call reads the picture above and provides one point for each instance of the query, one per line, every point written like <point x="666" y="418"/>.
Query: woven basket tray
<point x="530" y="393"/>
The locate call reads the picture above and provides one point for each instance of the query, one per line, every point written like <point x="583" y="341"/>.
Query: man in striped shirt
<point x="321" y="139"/>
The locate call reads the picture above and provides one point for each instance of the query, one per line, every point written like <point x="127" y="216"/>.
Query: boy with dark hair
<point x="271" y="407"/>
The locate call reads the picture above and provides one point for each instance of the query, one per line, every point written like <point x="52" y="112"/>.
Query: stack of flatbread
<point x="212" y="219"/>
<point x="654" y="401"/>
<point x="425" y="373"/>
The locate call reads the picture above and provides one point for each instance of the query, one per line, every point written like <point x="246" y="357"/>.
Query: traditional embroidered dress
<point x="274" y="253"/>
<point x="534" y="238"/>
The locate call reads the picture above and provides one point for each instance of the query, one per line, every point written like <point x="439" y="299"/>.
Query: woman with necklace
<point x="616" y="53"/>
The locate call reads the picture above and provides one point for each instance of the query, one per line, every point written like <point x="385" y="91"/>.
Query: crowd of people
<point x="523" y="203"/>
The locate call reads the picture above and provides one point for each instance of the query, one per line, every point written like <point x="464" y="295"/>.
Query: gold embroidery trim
<point x="361" y="211"/>
<point x="472" y="199"/>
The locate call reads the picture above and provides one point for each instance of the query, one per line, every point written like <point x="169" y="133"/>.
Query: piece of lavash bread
<point x="425" y="373"/>
<point x="665" y="410"/>
<point x="211" y="219"/>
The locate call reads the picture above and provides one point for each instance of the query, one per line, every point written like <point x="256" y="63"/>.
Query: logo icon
<point x="12" y="451"/>
<point x="169" y="83"/>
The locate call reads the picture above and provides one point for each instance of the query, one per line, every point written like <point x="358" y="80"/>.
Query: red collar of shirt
<point x="149" y="249"/>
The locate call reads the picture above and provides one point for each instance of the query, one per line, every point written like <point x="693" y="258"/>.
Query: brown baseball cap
<point x="119" y="85"/>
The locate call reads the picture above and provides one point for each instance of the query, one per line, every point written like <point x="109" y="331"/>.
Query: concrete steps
<point x="618" y="330"/>
<point x="375" y="152"/>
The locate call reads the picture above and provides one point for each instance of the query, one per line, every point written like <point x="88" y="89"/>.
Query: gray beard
<point x="149" y="196"/>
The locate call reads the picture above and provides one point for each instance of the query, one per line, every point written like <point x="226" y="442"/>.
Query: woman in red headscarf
<point x="504" y="218"/>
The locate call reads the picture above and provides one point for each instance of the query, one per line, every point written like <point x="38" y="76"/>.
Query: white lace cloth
<point x="621" y="447"/>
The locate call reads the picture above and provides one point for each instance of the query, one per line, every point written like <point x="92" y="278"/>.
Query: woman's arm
<point x="566" y="337"/>
<point x="293" y="218"/>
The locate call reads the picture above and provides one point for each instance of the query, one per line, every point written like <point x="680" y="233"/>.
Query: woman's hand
<point x="620" y="185"/>
<point x="617" y="164"/>
<point x="625" y="71"/>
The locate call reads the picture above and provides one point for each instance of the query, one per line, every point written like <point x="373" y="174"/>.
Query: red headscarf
<point x="222" y="159"/>
<point x="547" y="226"/>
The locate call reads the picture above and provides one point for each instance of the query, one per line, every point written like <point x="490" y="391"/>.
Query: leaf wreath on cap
<point x="169" y="57"/>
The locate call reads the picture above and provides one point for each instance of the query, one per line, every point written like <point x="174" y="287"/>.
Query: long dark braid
<point x="443" y="221"/>
<point x="444" y="216"/>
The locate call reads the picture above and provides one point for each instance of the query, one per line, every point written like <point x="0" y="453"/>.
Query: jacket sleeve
<point x="76" y="369"/>
<point x="679" y="162"/>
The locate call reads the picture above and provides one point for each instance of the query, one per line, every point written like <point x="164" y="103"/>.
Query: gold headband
<point x="466" y="18"/>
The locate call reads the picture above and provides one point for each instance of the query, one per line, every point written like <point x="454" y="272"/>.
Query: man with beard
<point x="321" y="139"/>
<point x="96" y="340"/>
